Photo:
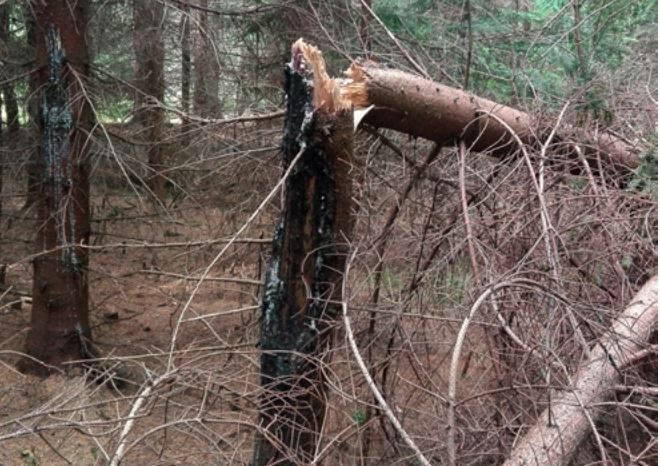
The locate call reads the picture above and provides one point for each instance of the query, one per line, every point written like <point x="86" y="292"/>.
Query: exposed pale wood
<point x="573" y="413"/>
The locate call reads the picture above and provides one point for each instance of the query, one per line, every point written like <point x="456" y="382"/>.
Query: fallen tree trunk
<point x="419" y="107"/>
<point x="574" y="413"/>
<point x="302" y="288"/>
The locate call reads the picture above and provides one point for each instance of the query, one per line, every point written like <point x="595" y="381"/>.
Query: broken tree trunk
<point x="59" y="329"/>
<point x="419" y="107"/>
<point x="302" y="287"/>
<point x="574" y="413"/>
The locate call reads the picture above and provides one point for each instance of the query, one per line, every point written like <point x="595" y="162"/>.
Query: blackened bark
<point x="303" y="282"/>
<point x="60" y="314"/>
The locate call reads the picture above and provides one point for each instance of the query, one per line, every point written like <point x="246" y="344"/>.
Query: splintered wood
<point x="308" y="61"/>
<point x="304" y="279"/>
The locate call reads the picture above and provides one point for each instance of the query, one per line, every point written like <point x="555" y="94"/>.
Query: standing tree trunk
<point x="185" y="59"/>
<point x="1" y="173"/>
<point x="11" y="107"/>
<point x="4" y="38"/>
<point x="8" y="94"/>
<point x="303" y="282"/>
<point x="186" y="69"/>
<point x="150" y="82"/>
<point x="60" y="314"/>
<point x="207" y="69"/>
<point x="577" y="39"/>
<point x="467" y="18"/>
<point x="32" y="165"/>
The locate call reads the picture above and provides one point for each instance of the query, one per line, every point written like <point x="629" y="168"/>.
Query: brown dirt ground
<point x="133" y="309"/>
<point x="134" y="306"/>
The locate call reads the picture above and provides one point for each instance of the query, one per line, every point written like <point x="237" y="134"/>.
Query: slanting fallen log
<point x="303" y="283"/>
<point x="419" y="107"/>
<point x="413" y="105"/>
<point x="574" y="413"/>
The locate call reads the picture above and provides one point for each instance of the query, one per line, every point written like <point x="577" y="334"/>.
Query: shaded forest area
<point x="425" y="233"/>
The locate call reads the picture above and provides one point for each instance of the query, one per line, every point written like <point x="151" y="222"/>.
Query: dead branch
<point x="574" y="412"/>
<point x="370" y="381"/>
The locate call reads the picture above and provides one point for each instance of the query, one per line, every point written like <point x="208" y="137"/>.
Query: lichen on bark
<point x="59" y="321"/>
<point x="57" y="118"/>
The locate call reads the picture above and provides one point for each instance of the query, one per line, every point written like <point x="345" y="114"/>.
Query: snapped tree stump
<point x="302" y="287"/>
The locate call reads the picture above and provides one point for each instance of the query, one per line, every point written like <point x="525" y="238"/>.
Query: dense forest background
<point x="533" y="254"/>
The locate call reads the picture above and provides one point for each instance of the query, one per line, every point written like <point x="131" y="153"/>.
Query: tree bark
<point x="185" y="59"/>
<point x="467" y="18"/>
<point x="1" y="175"/>
<point x="60" y="314"/>
<point x="8" y="94"/>
<point x="207" y="70"/>
<point x="554" y="445"/>
<point x="577" y="39"/>
<point x="11" y="107"/>
<point x="303" y="282"/>
<point x="4" y="36"/>
<point x="150" y="82"/>
<point x="419" y="107"/>
<point x="186" y="73"/>
<point x="32" y="165"/>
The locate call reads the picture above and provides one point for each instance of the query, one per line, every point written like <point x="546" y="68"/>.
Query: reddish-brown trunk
<point x="207" y="69"/>
<point x="32" y="188"/>
<point x="60" y="313"/>
<point x="150" y="82"/>
<point x="420" y="107"/>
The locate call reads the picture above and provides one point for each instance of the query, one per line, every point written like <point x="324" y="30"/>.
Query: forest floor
<point x="144" y="264"/>
<point x="137" y="294"/>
